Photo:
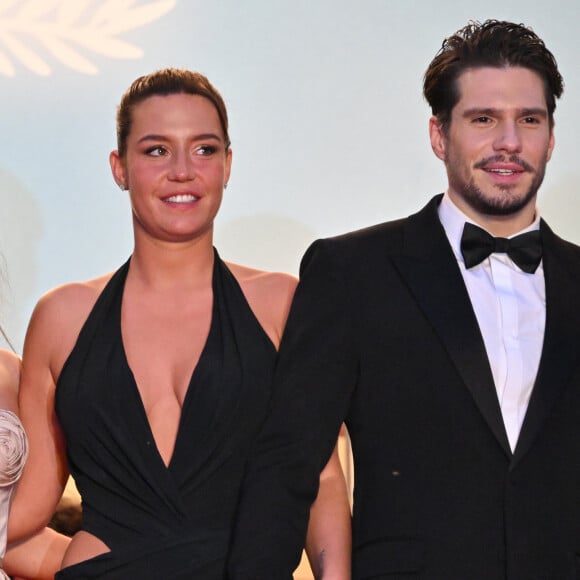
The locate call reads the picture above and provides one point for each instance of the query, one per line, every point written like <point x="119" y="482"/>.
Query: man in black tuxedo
<point x="449" y="343"/>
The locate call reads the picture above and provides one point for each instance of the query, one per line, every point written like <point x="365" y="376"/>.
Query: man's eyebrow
<point x="491" y="112"/>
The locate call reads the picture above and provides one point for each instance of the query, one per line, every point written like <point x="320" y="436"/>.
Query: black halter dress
<point x="171" y="522"/>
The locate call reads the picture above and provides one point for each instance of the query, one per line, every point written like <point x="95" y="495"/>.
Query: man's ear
<point x="551" y="144"/>
<point x="438" y="138"/>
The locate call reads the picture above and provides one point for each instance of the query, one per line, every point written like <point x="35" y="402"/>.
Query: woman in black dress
<point x="149" y="385"/>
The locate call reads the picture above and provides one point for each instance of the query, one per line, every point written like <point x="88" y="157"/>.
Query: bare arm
<point x="38" y="557"/>
<point x="45" y="473"/>
<point x="328" y="541"/>
<point x="41" y="556"/>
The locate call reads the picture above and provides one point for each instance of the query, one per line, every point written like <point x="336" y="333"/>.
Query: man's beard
<point x="498" y="205"/>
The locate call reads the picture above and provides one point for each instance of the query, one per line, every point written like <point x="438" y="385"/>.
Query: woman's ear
<point x="118" y="170"/>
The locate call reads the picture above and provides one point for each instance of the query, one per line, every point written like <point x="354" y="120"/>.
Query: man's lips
<point x="512" y="170"/>
<point x="502" y="166"/>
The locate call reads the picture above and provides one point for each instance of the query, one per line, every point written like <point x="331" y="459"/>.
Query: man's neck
<point x="502" y="226"/>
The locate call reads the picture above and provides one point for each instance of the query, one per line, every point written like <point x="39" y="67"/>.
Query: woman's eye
<point x="156" y="151"/>
<point x="206" y="150"/>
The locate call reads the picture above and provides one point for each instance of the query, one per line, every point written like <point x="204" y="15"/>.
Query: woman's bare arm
<point x="52" y="332"/>
<point x="38" y="557"/>
<point x="328" y="540"/>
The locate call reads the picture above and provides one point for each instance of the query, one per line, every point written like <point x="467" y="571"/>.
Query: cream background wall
<point x="328" y="125"/>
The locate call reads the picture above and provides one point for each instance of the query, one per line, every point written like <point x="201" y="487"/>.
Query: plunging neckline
<point x="143" y="411"/>
<point x="206" y="407"/>
<point x="190" y="386"/>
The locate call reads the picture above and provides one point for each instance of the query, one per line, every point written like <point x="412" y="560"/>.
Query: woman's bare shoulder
<point x="270" y="286"/>
<point x="61" y="312"/>
<point x="9" y="366"/>
<point x="269" y="295"/>
<point x="262" y="277"/>
<point x="9" y="379"/>
<point x="70" y="300"/>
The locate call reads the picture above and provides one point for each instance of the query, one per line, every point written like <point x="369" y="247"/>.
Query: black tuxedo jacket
<point x="382" y="335"/>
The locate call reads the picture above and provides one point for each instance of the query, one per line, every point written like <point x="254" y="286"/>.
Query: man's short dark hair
<point x="494" y="43"/>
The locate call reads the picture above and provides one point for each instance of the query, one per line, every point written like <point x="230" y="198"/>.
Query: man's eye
<point x="482" y="119"/>
<point x="531" y="120"/>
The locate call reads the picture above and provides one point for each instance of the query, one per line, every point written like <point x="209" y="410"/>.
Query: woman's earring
<point x="122" y="186"/>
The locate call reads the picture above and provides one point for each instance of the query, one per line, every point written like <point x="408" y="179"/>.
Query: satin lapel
<point x="561" y="349"/>
<point x="430" y="269"/>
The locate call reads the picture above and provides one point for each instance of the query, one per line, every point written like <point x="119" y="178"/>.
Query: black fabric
<point x="525" y="250"/>
<point x="163" y="522"/>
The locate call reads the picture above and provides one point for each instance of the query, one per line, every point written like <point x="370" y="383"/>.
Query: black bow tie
<point x="525" y="250"/>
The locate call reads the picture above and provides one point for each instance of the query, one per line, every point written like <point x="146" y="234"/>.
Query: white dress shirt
<point x="510" y="307"/>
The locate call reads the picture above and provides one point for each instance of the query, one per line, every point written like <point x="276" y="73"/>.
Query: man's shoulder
<point x="560" y="246"/>
<point x="371" y="233"/>
<point x="388" y="235"/>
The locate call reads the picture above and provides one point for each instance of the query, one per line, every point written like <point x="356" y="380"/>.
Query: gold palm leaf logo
<point x="68" y="29"/>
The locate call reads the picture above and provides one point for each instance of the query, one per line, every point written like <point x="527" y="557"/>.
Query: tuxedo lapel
<point x="561" y="348"/>
<point x="430" y="269"/>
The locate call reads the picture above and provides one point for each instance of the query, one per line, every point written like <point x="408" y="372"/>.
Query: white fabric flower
<point x="13" y="448"/>
<point x="13" y="454"/>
